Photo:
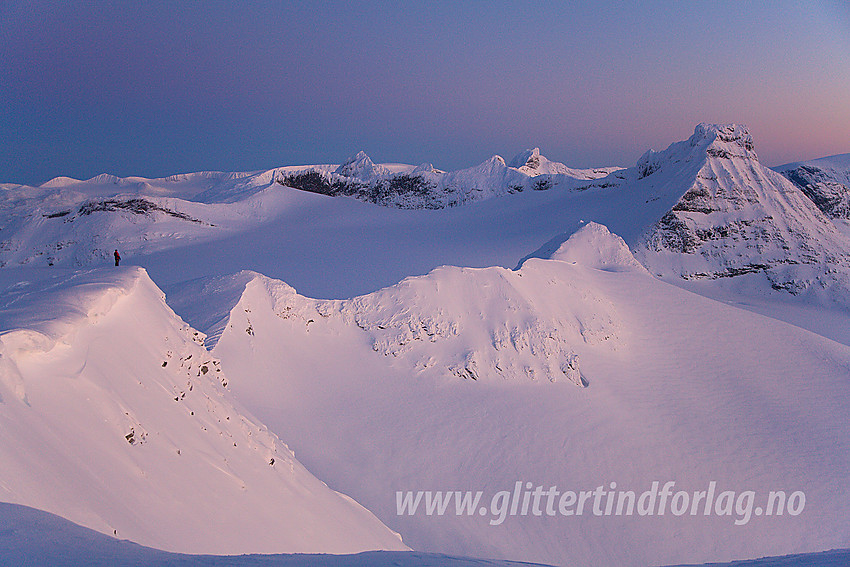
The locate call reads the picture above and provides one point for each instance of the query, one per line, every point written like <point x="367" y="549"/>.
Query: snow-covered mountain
<point x="732" y="216"/>
<point x="826" y="181"/>
<point x="702" y="209"/>
<point x="115" y="416"/>
<point x="67" y="222"/>
<point x="577" y="371"/>
<point x="461" y="330"/>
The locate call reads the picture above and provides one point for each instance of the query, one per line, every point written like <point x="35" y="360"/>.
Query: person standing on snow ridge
<point x="117" y="257"/>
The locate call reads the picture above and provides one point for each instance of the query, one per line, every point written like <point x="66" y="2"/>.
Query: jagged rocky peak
<point x="737" y="217"/>
<point x="360" y="166"/>
<point x="718" y="141"/>
<point x="724" y="140"/>
<point x="531" y="162"/>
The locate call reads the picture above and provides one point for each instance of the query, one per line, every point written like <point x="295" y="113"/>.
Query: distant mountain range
<point x="704" y="208"/>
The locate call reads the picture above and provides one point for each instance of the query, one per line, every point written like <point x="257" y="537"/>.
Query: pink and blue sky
<point x="161" y="87"/>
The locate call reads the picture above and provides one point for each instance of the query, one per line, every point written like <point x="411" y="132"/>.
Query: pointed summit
<point x="531" y="163"/>
<point x="735" y="216"/>
<point x="361" y="167"/>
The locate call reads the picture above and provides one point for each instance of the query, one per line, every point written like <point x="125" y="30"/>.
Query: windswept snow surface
<point x="68" y="222"/>
<point x="558" y="374"/>
<point x="115" y="416"/>
<point x="703" y="209"/>
<point x="33" y="537"/>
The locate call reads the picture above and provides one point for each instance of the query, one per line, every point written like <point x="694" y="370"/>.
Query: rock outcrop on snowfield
<point x="81" y="224"/>
<point x="736" y="217"/>
<point x="826" y="181"/>
<point x="115" y="416"/>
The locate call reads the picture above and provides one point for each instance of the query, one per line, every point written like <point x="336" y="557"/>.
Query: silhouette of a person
<point x="117" y="257"/>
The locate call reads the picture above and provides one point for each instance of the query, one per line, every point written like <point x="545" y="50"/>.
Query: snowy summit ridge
<point x="362" y="168"/>
<point x="734" y="217"/>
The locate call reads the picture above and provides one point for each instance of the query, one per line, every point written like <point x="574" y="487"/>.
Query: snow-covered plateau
<point x="516" y="327"/>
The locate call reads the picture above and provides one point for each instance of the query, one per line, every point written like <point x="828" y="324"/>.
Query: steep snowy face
<point x="825" y="181"/>
<point x="115" y="416"/>
<point x="738" y="217"/>
<point x="482" y="324"/>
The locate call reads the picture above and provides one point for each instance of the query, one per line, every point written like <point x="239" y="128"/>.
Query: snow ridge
<point x="594" y="246"/>
<point x="117" y="418"/>
<point x="483" y="325"/>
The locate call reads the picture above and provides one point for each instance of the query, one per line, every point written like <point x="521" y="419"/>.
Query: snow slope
<point x="115" y="416"/>
<point x="556" y="374"/>
<point x="31" y="537"/>
<point x="576" y="369"/>
<point x="67" y="222"/>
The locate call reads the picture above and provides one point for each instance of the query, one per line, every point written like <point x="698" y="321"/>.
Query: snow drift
<point x="116" y="417"/>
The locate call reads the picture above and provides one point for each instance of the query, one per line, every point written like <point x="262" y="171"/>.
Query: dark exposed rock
<point x="828" y="195"/>
<point x="135" y="206"/>
<point x="402" y="190"/>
